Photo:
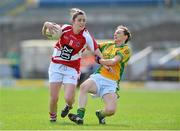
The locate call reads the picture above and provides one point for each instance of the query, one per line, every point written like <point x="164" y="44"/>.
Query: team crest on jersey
<point x="78" y="44"/>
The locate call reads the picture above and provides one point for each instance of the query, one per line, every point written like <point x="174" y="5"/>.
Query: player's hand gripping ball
<point x="53" y="33"/>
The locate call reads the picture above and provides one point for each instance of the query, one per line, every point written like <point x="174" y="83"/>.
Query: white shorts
<point x="104" y="85"/>
<point x="62" y="73"/>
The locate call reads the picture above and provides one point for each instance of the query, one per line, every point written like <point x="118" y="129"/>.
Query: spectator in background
<point x="105" y="83"/>
<point x="14" y="60"/>
<point x="64" y="68"/>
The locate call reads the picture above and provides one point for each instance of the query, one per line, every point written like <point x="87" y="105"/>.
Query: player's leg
<point x="110" y="100"/>
<point x="54" y="96"/>
<point x="70" y="81"/>
<point x="89" y="86"/>
<point x="55" y="80"/>
<point x="69" y="96"/>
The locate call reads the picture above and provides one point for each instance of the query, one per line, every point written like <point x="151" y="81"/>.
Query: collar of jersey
<point x="120" y="45"/>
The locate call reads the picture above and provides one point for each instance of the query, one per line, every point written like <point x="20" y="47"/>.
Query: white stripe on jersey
<point x="89" y="40"/>
<point x="64" y="26"/>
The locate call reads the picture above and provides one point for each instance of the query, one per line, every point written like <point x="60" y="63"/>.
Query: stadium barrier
<point x="172" y="54"/>
<point x="167" y="67"/>
<point x="137" y="65"/>
<point x="162" y="74"/>
<point x="23" y="83"/>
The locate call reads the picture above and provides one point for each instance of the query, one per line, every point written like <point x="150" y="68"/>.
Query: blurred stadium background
<point x="155" y="27"/>
<point x="154" y="24"/>
<point x="155" y="63"/>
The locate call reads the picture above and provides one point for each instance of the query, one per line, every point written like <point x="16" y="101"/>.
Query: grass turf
<point x="27" y="108"/>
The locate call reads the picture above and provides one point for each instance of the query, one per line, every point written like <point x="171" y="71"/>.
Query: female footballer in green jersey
<point x="104" y="83"/>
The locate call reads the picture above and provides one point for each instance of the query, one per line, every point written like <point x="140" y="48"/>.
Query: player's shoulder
<point x="85" y="31"/>
<point x="66" y="27"/>
<point x="109" y="42"/>
<point x="126" y="49"/>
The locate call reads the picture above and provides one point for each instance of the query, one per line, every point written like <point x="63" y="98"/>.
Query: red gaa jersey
<point x="70" y="46"/>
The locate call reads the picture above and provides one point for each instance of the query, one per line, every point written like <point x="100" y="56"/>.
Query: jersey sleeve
<point x="125" y="53"/>
<point x="90" y="41"/>
<point x="65" y="27"/>
<point x="102" y="46"/>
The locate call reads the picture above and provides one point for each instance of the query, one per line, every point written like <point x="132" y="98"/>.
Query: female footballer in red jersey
<point x="64" y="68"/>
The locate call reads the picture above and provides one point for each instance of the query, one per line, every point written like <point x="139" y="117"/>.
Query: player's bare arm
<point x="110" y="62"/>
<point x="98" y="53"/>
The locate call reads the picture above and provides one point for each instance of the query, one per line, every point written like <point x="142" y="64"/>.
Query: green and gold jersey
<point x="110" y="50"/>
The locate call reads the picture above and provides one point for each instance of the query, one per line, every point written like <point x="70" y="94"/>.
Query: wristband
<point x="97" y="59"/>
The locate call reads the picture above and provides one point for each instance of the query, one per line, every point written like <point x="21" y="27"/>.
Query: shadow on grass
<point x="108" y="125"/>
<point x="91" y="125"/>
<point x="62" y="123"/>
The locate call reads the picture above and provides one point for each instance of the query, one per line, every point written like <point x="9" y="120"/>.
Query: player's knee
<point x="83" y="88"/>
<point x="110" y="111"/>
<point x="69" y="99"/>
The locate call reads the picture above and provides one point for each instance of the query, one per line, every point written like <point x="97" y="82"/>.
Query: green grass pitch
<point x="27" y="108"/>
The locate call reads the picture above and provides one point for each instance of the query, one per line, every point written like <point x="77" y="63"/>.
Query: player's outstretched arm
<point x="110" y="62"/>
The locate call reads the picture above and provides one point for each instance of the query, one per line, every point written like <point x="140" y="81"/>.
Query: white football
<point x="56" y="33"/>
